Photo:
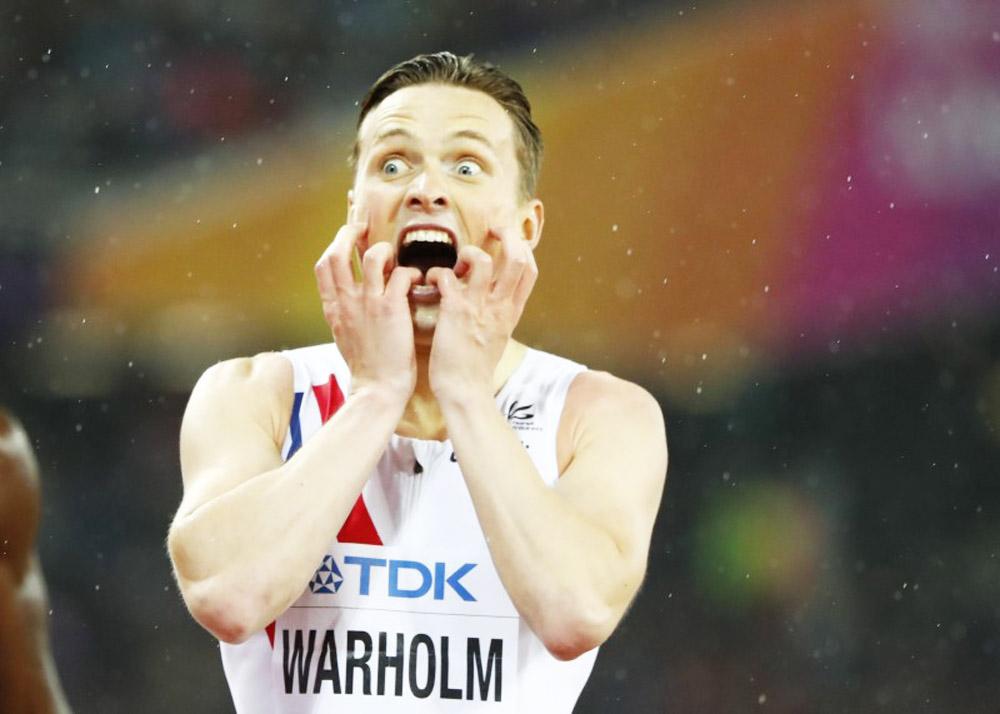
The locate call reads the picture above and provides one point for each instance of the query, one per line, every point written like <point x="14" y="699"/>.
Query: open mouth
<point x="426" y="248"/>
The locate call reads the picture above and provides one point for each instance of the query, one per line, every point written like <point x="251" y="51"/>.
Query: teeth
<point x="428" y="236"/>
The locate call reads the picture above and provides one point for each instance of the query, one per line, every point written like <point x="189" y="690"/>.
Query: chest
<point x="417" y="497"/>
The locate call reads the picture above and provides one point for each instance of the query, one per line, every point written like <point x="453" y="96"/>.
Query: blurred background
<point x="781" y="217"/>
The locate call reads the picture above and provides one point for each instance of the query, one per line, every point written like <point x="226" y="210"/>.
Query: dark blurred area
<point x="809" y="287"/>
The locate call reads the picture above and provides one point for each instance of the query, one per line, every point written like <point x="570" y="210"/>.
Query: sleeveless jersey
<point x="406" y="612"/>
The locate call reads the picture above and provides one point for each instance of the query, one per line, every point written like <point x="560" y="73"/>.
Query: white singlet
<point x="406" y="613"/>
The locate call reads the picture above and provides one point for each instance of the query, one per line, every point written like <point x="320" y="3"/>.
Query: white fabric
<point x="431" y="586"/>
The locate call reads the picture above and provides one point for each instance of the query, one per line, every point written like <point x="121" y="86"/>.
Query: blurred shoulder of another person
<point x="29" y="683"/>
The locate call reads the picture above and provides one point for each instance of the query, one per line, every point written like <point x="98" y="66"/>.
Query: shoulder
<point x="267" y="370"/>
<point x="258" y="387"/>
<point x="602" y="396"/>
<point x="609" y="417"/>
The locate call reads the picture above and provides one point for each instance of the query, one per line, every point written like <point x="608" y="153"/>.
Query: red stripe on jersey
<point x="329" y="398"/>
<point x="358" y="528"/>
<point x="270" y="633"/>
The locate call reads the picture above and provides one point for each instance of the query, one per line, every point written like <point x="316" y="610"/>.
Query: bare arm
<point x="244" y="511"/>
<point x="548" y="543"/>
<point x="28" y="678"/>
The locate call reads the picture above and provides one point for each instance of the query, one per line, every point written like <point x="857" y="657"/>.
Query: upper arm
<point x="617" y="462"/>
<point x="234" y="426"/>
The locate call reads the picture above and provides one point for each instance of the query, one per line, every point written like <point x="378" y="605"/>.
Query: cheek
<point x="480" y="212"/>
<point x="380" y="204"/>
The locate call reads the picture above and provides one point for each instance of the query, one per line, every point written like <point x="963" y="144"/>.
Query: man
<point x="426" y="510"/>
<point x="29" y="683"/>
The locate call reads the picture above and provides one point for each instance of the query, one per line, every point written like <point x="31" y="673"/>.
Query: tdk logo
<point x="420" y="580"/>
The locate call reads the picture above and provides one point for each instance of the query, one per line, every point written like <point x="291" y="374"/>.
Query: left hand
<point x="480" y="307"/>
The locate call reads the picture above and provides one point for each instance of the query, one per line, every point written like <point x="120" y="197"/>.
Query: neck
<point x="422" y="418"/>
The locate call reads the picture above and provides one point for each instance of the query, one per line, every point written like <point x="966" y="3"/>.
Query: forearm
<point x="545" y="552"/>
<point x="276" y="526"/>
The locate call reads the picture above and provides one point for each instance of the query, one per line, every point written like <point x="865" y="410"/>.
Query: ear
<point x="532" y="222"/>
<point x="350" y="205"/>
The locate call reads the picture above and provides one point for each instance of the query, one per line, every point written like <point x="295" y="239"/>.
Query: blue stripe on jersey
<point x="295" y="426"/>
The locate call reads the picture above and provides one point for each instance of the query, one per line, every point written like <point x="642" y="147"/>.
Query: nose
<point x="426" y="192"/>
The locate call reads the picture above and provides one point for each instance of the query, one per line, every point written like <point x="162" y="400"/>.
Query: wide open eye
<point x="393" y="166"/>
<point x="468" y="167"/>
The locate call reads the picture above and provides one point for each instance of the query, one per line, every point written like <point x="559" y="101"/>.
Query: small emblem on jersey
<point x="520" y="412"/>
<point x="521" y="416"/>
<point x="327" y="578"/>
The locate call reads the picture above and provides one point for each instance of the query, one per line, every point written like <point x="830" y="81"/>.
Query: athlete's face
<point x="437" y="170"/>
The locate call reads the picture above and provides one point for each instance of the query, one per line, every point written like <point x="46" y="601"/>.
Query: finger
<point x="527" y="282"/>
<point x="376" y="264"/>
<point x="475" y="266"/>
<point x="337" y="257"/>
<point x="401" y="280"/>
<point x="324" y="278"/>
<point x="444" y="279"/>
<point x="513" y="261"/>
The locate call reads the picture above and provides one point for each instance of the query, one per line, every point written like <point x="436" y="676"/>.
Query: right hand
<point x="370" y="320"/>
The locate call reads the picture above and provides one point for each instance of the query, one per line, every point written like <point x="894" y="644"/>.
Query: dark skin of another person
<point x="28" y="680"/>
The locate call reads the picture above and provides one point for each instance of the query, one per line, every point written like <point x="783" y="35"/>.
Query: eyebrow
<point x="396" y="131"/>
<point x="474" y="135"/>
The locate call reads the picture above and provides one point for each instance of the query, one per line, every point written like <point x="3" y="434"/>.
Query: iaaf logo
<point x="521" y="416"/>
<point x="520" y="412"/>
<point x="429" y="579"/>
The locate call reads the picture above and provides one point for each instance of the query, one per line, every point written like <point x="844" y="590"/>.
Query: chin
<point x="425" y="319"/>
